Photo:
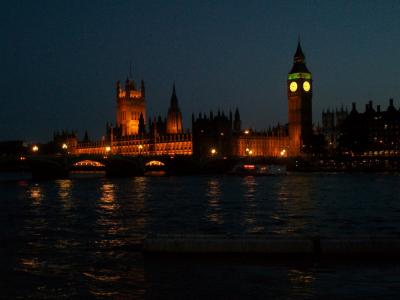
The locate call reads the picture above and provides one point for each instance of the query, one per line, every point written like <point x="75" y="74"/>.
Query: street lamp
<point x="108" y="149"/>
<point x="35" y="148"/>
<point x="213" y="151"/>
<point x="64" y="146"/>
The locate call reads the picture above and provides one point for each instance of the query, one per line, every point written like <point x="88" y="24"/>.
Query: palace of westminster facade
<point x="217" y="135"/>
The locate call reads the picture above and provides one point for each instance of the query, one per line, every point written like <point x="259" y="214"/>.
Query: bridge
<point x="60" y="166"/>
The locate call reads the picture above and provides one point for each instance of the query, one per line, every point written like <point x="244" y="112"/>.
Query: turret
<point x="237" y="123"/>
<point x="174" y="119"/>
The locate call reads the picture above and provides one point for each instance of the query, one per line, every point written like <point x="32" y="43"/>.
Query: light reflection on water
<point x="108" y="211"/>
<point x="64" y="192"/>
<point x="36" y="194"/>
<point x="294" y="204"/>
<point x="141" y="191"/>
<point x="301" y="282"/>
<point x="250" y="185"/>
<point x="214" y="201"/>
<point x="80" y="238"/>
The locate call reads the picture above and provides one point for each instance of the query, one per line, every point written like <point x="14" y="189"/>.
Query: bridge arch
<point x="155" y="163"/>
<point x="88" y="163"/>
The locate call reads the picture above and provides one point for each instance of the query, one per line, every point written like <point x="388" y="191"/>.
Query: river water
<point x="80" y="238"/>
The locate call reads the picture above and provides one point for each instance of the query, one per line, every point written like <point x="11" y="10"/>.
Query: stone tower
<point x="174" y="118"/>
<point x="130" y="106"/>
<point x="299" y="88"/>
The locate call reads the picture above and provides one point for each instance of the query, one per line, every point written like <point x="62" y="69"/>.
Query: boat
<point x="258" y="169"/>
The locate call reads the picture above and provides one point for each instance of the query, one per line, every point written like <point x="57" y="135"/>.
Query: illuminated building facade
<point x="174" y="118"/>
<point x="295" y="138"/>
<point x="299" y="88"/>
<point x="130" y="137"/>
<point x="131" y="107"/>
<point x="217" y="135"/>
<point x="225" y="136"/>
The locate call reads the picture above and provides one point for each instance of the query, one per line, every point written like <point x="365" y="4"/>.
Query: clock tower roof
<point x="299" y="61"/>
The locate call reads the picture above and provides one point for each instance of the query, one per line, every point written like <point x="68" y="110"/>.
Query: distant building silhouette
<point x="371" y="133"/>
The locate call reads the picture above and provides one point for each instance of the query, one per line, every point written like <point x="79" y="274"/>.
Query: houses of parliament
<point x="212" y="135"/>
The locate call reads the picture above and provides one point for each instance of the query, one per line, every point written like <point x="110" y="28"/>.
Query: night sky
<point x="60" y="60"/>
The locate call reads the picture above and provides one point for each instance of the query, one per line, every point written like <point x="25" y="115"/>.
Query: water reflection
<point x="108" y="219"/>
<point x="214" y="201"/>
<point x="294" y="204"/>
<point x="141" y="191"/>
<point x="35" y="193"/>
<point x="64" y="192"/>
<point x="107" y="199"/>
<point x="302" y="282"/>
<point x="250" y="185"/>
<point x="29" y="264"/>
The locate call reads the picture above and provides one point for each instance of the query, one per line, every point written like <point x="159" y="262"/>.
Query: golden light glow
<point x="213" y="151"/>
<point x="250" y="152"/>
<point x="293" y="86"/>
<point x="35" y="148"/>
<point x="64" y="146"/>
<point x="283" y="152"/>
<point x="246" y="131"/>
<point x="140" y="147"/>
<point x="306" y="86"/>
<point x="88" y="163"/>
<point x="155" y="163"/>
<point x="108" y="149"/>
<point x="22" y="158"/>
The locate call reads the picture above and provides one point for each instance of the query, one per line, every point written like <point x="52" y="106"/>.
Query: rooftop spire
<point x="174" y="99"/>
<point x="299" y="64"/>
<point x="299" y="55"/>
<point x="173" y="90"/>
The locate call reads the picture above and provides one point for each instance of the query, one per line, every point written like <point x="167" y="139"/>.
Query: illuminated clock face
<point x="306" y="86"/>
<point x="293" y="86"/>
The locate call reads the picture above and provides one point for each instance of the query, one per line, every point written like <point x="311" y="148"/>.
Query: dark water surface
<point x="81" y="238"/>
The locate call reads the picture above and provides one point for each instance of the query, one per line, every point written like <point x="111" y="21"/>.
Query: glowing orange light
<point x="246" y="131"/>
<point x="213" y="151"/>
<point x="22" y="158"/>
<point x="249" y="167"/>
<point x="283" y="152"/>
<point x="88" y="163"/>
<point x="64" y="146"/>
<point x="155" y="163"/>
<point x="35" y="148"/>
<point x="108" y="149"/>
<point x="250" y="152"/>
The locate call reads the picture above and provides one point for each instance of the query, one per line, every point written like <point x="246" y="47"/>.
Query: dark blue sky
<point x="60" y="60"/>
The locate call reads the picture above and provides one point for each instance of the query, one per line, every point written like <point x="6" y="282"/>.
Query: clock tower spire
<point x="299" y="88"/>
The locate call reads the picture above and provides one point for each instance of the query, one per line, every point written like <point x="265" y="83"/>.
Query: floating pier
<point x="378" y="247"/>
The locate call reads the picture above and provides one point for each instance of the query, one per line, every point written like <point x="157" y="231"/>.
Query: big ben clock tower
<point x="299" y="87"/>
